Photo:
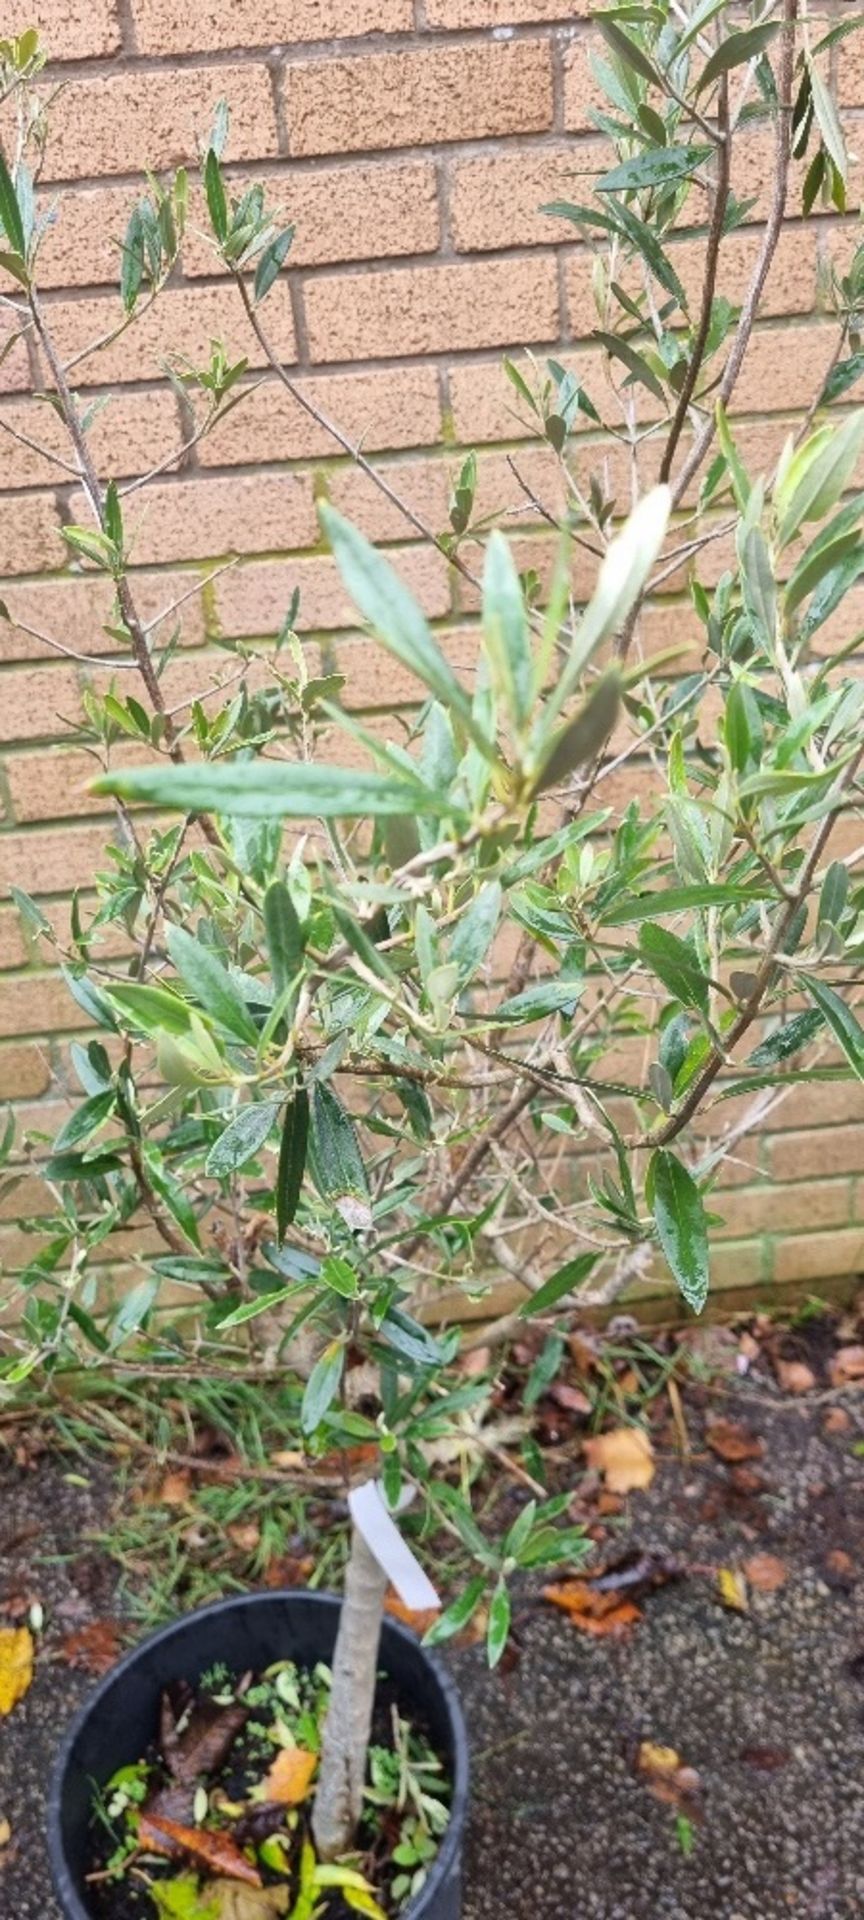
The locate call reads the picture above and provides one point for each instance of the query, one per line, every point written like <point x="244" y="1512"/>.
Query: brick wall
<point x="412" y="142"/>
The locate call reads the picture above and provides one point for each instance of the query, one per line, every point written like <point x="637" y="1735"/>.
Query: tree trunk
<point x="342" y="1774"/>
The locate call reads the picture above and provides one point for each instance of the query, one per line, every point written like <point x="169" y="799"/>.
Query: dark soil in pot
<point x="204" y="1727"/>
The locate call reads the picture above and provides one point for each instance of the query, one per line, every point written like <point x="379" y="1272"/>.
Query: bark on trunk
<point x="342" y="1774"/>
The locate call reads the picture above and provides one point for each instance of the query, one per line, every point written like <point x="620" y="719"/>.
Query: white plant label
<point x="393" y="1554"/>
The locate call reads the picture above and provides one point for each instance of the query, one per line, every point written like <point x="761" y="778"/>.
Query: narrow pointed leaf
<point x="682" y="1227"/>
<point x="242" y="1139"/>
<point x="270" y="790"/>
<point x="292" y="1161"/>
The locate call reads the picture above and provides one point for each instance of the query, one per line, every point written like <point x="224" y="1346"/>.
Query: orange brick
<point x="13" y="946"/>
<point x="36" y="1003"/>
<point x="773" y="1209"/>
<point x="53" y="860"/>
<point x="37" y="703"/>
<point x="424" y="486"/>
<point x="790" y="287"/>
<point x="121" y="122"/>
<point x="820" y="1256"/>
<point x="130" y="435"/>
<point x="379" y="410"/>
<point x="850" y="71"/>
<point x="253" y="598"/>
<point x="495" y="197"/>
<point x="29" y="534"/>
<point x="194" y="519"/>
<point x="373" y="679"/>
<point x="500" y="13"/>
<point x="69" y="30"/>
<point x="402" y="99"/>
<point x="431" y="309"/>
<point x="25" y="1071"/>
<point x="183" y="322"/>
<point x="167" y="26"/>
<point x="783" y="369"/>
<point x="75" y="610"/>
<point x="803" y="1156"/>
<point x="53" y="785"/>
<point x="582" y="95"/>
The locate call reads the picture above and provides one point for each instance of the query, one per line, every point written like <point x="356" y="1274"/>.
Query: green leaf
<point x="675" y="963"/>
<point x="322" y="1386"/>
<point x="740" y="483"/>
<point x="32" y="915"/>
<point x="827" y="120"/>
<point x="132" y="261"/>
<point x="660" y="901"/>
<point x="94" y="546"/>
<point x="658" y="167"/>
<point x="456" y="1617"/>
<point x="476" y="931"/>
<point x="85" y="1121"/>
<point x="538" y="1001"/>
<point x="817" y="475"/>
<point x="627" y="49"/>
<point x="10" y="212"/>
<point x="499" y="1624"/>
<point x="263" y="1303"/>
<point x="505" y="627"/>
<point x="152" y="1009"/>
<point x="336" y="1273"/>
<point x="623" y="574"/>
<point x="271" y="263"/>
<point x="734" y="50"/>
<point x="215" y="190"/>
<point x="844" y="1024"/>
<point x="292" y="1161"/>
<point x="397" y="620"/>
<point x="567" y="1280"/>
<point x="90" y="999"/>
<point x="841" y="378"/>
<point x="682" y="1226"/>
<point x="81" y="1166"/>
<point x="636" y="364"/>
<point x="583" y="737"/>
<point x="335" y="1161"/>
<point x="409" y="1338"/>
<point x="285" y="939"/>
<point x="833" y="895"/>
<point x="242" y="1139"/>
<point x="212" y="985"/>
<point x="270" y="790"/>
<point x="786" y="1040"/>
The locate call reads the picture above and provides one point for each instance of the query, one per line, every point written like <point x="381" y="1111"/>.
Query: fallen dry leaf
<point x="653" y="1759"/>
<point x="766" y="1573"/>
<point x="228" y="1901"/>
<point x="94" y="1648"/>
<point x="216" y="1851"/>
<point x="16" y="1665"/>
<point x="840" y="1570"/>
<point x="766" y="1759"/>
<point x="794" y="1376"/>
<point x="746" y="1480"/>
<point x="175" y="1489"/>
<point x="5" y="1832"/>
<point x="289" y="1570"/>
<point x="246" y="1536"/>
<point x="418" y="1619"/>
<point x="290" y="1776"/>
<point x="603" y="1614"/>
<point x="836" y="1420"/>
<point x="731" y="1442"/>
<point x="477" y="1360"/>
<point x="572" y="1399"/>
<point x="625" y="1457"/>
<point x="732" y="1589"/>
<point x="847" y="1366"/>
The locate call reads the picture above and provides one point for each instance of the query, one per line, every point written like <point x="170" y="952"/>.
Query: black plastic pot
<point x="250" y="1631"/>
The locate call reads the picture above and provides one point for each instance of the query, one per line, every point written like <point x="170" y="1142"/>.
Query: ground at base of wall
<point x="707" y="1759"/>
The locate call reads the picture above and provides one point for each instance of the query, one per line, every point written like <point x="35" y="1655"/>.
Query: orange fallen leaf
<point x="732" y="1589"/>
<point x="5" y="1832"/>
<point x="290" y="1776"/>
<point x="94" y="1648"/>
<point x="836" y="1421"/>
<point x="246" y="1535"/>
<point x="16" y="1665"/>
<point x="794" y="1376"/>
<point x="766" y="1573"/>
<point x="847" y="1366"/>
<point x="625" y="1457"/>
<point x="175" y="1489"/>
<point x="216" y="1851"/>
<point x="653" y="1759"/>
<point x="731" y="1442"/>
<point x="605" y="1615"/>
<point x="419" y="1620"/>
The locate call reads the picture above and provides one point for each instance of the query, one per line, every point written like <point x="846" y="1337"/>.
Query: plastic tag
<point x="393" y="1554"/>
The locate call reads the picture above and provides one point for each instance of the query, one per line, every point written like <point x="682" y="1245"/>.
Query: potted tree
<point x="376" y="1000"/>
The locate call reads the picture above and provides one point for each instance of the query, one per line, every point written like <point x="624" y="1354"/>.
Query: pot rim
<point x="451" y="1844"/>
